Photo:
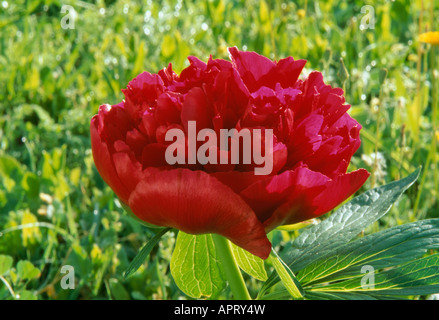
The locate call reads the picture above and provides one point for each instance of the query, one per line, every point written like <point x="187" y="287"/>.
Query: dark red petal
<point x="328" y="157"/>
<point x="251" y="66"/>
<point x="141" y="93"/>
<point x="104" y="163"/>
<point x="168" y="108"/>
<point x="280" y="154"/>
<point x="267" y="195"/>
<point x="136" y="141"/>
<point x="168" y="75"/>
<point x="339" y="189"/>
<point x="305" y="139"/>
<point x="148" y="125"/>
<point x="195" y="108"/>
<point x="153" y="155"/>
<point x="197" y="203"/>
<point x="286" y="72"/>
<point x="238" y="180"/>
<point x="313" y="195"/>
<point x="128" y="169"/>
<point x="113" y="122"/>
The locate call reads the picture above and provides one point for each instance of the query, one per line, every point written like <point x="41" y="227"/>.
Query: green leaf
<point x="30" y="235"/>
<point x="31" y="184"/>
<point x="195" y="267"/>
<point x="316" y="295"/>
<point x="264" y="11"/>
<point x="10" y="171"/>
<point x="26" y="270"/>
<point x="346" y="223"/>
<point x="287" y="277"/>
<point x="384" y="249"/>
<point x="168" y="46"/>
<point x="342" y="226"/>
<point x="5" y="263"/>
<point x="140" y="58"/>
<point x="250" y="263"/>
<point x="418" y="277"/>
<point x="27" y="295"/>
<point x="80" y="260"/>
<point x="144" y="252"/>
<point x="117" y="290"/>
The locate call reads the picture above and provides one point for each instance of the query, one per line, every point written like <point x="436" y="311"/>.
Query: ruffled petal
<point x="314" y="194"/>
<point x="299" y="195"/>
<point x="104" y="163"/>
<point x="195" y="108"/>
<point x="251" y="66"/>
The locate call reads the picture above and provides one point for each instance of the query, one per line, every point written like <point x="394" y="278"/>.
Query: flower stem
<point x="231" y="269"/>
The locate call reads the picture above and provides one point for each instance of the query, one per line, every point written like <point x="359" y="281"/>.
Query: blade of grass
<point x="144" y="252"/>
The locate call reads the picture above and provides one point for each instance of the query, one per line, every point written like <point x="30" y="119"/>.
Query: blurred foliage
<point x="55" y="210"/>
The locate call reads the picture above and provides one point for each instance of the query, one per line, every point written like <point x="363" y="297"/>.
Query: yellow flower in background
<point x="430" y="37"/>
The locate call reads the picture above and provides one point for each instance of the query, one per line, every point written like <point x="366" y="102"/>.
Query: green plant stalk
<point x="6" y="283"/>
<point x="421" y="184"/>
<point x="434" y="93"/>
<point x="272" y="33"/>
<point x="377" y="133"/>
<point x="230" y="267"/>
<point x="434" y="83"/>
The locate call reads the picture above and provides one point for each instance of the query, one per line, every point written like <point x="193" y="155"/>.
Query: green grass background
<point x="55" y="210"/>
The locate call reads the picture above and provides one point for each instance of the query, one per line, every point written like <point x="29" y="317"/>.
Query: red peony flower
<point x="313" y="141"/>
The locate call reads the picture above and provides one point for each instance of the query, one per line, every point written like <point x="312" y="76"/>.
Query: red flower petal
<point x="128" y="169"/>
<point x="168" y="108"/>
<point x="104" y="162"/>
<point x="197" y="203"/>
<point x="195" y="108"/>
<point x="238" y="180"/>
<point x="267" y="195"/>
<point x="251" y="66"/>
<point x="153" y="155"/>
<point x="299" y="195"/>
<point x="314" y="194"/>
<point x="305" y="139"/>
<point x="141" y="93"/>
<point x="257" y="70"/>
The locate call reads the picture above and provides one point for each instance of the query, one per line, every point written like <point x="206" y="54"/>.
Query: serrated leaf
<point x="195" y="267"/>
<point x="249" y="263"/>
<point x="418" y="277"/>
<point x="346" y="223"/>
<point x="384" y="249"/>
<point x="342" y="226"/>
